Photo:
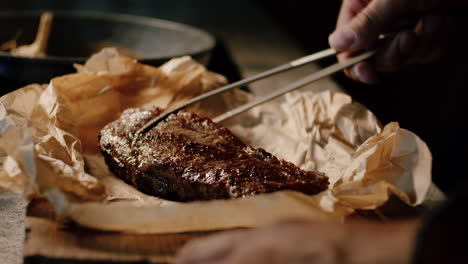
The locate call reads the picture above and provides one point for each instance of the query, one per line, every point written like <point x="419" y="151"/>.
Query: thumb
<point x="363" y="30"/>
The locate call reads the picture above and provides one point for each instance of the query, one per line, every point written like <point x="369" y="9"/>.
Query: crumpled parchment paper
<point x="48" y="148"/>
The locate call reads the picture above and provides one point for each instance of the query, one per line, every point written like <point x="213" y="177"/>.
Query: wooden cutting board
<point x="47" y="241"/>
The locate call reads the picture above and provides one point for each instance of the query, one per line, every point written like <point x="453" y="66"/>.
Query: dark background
<point x="427" y="99"/>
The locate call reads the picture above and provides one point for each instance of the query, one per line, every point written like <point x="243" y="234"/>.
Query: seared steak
<point x="187" y="157"/>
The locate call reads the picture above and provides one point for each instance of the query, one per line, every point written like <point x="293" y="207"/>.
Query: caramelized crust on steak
<point x="187" y="157"/>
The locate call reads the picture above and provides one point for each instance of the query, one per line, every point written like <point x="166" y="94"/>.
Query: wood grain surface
<point x="48" y="241"/>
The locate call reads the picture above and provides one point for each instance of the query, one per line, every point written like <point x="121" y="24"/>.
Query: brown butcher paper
<point x="48" y="149"/>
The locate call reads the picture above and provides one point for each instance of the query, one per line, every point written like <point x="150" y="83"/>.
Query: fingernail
<point x="342" y="39"/>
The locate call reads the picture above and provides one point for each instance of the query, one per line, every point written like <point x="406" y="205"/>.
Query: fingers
<point x="363" y="72"/>
<point x="358" y="27"/>
<point x="396" y="51"/>
<point x="362" y="31"/>
<point x="349" y="9"/>
<point x="425" y="44"/>
<point x="361" y="22"/>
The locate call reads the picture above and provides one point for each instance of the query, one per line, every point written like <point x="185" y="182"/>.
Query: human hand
<point x="415" y="33"/>
<point x="306" y="242"/>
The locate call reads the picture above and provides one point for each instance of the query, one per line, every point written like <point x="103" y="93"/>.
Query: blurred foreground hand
<point x="297" y="242"/>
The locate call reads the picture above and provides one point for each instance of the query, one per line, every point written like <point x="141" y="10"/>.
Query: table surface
<point x="256" y="44"/>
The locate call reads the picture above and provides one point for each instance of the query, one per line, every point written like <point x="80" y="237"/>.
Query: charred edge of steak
<point x="187" y="157"/>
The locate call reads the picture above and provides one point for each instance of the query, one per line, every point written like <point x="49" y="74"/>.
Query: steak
<point x="187" y="157"/>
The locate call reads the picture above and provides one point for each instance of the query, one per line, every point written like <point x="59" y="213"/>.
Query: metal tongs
<point x="285" y="67"/>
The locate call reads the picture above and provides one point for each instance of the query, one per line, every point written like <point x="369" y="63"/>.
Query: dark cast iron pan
<point x="77" y="35"/>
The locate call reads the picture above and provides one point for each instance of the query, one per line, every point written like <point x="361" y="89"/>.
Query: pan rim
<point x="117" y="17"/>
